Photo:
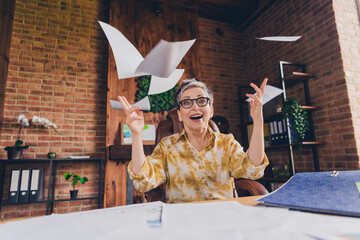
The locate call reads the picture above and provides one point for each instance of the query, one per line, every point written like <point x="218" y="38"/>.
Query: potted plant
<point x="298" y="121"/>
<point x="75" y="180"/>
<point x="16" y="151"/>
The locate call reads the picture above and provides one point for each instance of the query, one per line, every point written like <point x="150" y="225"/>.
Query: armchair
<point x="172" y="125"/>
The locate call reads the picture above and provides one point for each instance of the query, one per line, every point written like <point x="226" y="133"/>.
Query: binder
<point x="321" y="192"/>
<point x="36" y="192"/>
<point x="281" y="132"/>
<point x="276" y="133"/>
<point x="267" y="135"/>
<point x="14" y="186"/>
<point x="272" y="133"/>
<point x="24" y="186"/>
<point x="285" y="131"/>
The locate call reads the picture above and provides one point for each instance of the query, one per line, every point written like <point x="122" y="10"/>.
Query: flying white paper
<point x="161" y="61"/>
<point x="280" y="38"/>
<point x="159" y="85"/>
<point x="270" y="93"/>
<point x="143" y="103"/>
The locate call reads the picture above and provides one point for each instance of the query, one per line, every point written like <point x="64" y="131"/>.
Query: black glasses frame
<point x="192" y="102"/>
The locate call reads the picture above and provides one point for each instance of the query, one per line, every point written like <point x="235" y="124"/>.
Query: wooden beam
<point x="231" y="11"/>
<point x="144" y="27"/>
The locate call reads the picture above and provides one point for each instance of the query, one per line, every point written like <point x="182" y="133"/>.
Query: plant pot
<point x="14" y="152"/>
<point x="73" y="194"/>
<point x="51" y="155"/>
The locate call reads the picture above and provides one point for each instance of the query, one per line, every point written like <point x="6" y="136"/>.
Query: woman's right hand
<point x="134" y="116"/>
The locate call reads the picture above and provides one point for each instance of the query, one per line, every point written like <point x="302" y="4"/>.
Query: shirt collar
<point x="182" y="135"/>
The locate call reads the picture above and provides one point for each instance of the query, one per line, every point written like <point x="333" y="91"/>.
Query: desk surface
<point x="248" y="201"/>
<point x="218" y="219"/>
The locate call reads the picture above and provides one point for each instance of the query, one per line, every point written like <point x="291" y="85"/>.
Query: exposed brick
<point x="52" y="62"/>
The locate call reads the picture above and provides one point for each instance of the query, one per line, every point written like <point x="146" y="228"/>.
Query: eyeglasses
<point x="188" y="103"/>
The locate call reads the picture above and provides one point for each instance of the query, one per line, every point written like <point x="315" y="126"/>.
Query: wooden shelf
<point x="309" y="108"/>
<point x="308" y="143"/>
<point x="50" y="199"/>
<point x="297" y="77"/>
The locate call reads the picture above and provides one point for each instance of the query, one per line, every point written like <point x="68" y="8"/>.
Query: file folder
<point x="14" y="186"/>
<point x="321" y="192"/>
<point x="36" y="185"/>
<point x="24" y="186"/>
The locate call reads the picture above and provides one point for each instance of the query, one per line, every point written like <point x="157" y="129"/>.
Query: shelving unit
<point x="288" y="79"/>
<point x="50" y="199"/>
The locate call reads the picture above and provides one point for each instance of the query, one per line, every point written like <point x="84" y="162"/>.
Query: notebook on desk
<point x="323" y="192"/>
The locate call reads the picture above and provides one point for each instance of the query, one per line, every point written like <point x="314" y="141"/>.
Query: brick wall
<point x="348" y="23"/>
<point x="58" y="70"/>
<point x="222" y="68"/>
<point x="333" y="90"/>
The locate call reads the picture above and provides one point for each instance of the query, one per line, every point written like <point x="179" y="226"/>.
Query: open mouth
<point x="196" y="117"/>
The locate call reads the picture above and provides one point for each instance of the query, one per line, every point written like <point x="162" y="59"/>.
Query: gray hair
<point x="193" y="83"/>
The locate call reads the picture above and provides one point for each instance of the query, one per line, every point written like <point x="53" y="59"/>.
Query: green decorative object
<point x="51" y="155"/>
<point x="158" y="102"/>
<point x="298" y="119"/>
<point x="75" y="180"/>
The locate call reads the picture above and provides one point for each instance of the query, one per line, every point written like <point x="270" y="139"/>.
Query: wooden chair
<point x="171" y="125"/>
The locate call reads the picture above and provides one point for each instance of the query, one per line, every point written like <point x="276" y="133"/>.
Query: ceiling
<point x="237" y="12"/>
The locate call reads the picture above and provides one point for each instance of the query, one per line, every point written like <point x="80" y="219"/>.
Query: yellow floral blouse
<point x="191" y="175"/>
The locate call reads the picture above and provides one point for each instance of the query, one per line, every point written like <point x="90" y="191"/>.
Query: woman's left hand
<point x="256" y="106"/>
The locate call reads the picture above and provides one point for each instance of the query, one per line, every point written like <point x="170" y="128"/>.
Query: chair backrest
<point x="173" y="125"/>
<point x="167" y="127"/>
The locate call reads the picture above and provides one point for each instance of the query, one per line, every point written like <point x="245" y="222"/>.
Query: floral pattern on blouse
<point x="192" y="175"/>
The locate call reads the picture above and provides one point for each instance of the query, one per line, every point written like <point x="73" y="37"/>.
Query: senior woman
<point x="196" y="163"/>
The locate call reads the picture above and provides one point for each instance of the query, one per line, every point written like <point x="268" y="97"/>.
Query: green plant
<point x="298" y="121"/>
<point x="75" y="179"/>
<point x="158" y="102"/>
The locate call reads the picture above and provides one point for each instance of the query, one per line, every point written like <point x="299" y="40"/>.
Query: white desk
<point x="204" y="220"/>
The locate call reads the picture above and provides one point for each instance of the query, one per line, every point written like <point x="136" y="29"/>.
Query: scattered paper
<point x="161" y="61"/>
<point x="270" y="93"/>
<point x="143" y="103"/>
<point x="159" y="85"/>
<point x="195" y="221"/>
<point x="280" y="38"/>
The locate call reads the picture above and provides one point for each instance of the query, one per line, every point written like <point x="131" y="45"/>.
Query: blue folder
<point x="321" y="192"/>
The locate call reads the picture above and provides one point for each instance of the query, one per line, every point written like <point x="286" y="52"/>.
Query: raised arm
<point x="257" y="146"/>
<point x="135" y="121"/>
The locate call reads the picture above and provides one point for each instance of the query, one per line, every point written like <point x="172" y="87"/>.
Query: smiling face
<point x="195" y="118"/>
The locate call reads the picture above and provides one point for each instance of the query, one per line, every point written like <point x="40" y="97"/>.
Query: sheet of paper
<point x="92" y="224"/>
<point x="143" y="103"/>
<point x="164" y="58"/>
<point x="212" y="220"/>
<point x="161" y="61"/>
<point x="270" y="93"/>
<point x="254" y="222"/>
<point x="159" y="85"/>
<point x="127" y="57"/>
<point x="280" y="38"/>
